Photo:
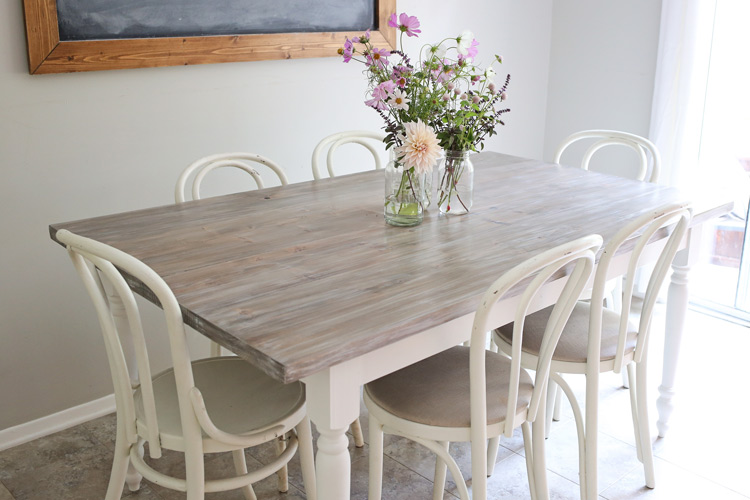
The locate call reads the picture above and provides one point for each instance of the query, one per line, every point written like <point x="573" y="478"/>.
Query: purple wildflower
<point x="471" y="51"/>
<point x="380" y="94"/>
<point x="347" y="51"/>
<point x="378" y="58"/>
<point x="406" y="24"/>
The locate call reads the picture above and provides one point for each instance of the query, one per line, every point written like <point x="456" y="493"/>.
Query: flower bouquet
<point x="443" y="102"/>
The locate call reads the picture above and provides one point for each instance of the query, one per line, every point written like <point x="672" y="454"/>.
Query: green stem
<point x="449" y="182"/>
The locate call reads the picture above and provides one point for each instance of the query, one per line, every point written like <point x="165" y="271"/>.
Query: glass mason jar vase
<point x="404" y="195"/>
<point x="455" y="189"/>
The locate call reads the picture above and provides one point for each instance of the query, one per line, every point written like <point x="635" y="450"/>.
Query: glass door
<point x="721" y="280"/>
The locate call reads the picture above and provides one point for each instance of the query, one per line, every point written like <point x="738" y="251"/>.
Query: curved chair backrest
<point x="242" y="161"/>
<point x="672" y="219"/>
<point x="99" y="266"/>
<point x="604" y="138"/>
<point x="364" y="138"/>
<point x="578" y="258"/>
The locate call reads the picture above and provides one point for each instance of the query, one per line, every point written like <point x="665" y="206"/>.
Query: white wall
<point x="602" y="63"/>
<point x="79" y="145"/>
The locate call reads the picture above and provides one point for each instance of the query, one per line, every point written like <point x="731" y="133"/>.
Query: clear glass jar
<point x="404" y="195"/>
<point x="455" y="190"/>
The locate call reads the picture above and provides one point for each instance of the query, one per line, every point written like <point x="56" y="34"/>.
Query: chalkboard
<point x="90" y="35"/>
<point x="118" y="19"/>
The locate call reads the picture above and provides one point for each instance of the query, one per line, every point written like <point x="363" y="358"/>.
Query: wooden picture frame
<point x="47" y="54"/>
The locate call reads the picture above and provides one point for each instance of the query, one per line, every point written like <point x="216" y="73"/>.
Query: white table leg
<point x="332" y="403"/>
<point x="677" y="302"/>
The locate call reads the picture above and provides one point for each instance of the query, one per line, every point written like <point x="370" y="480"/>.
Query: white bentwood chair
<point x="471" y="393"/>
<point x="598" y="340"/>
<point x="203" y="166"/>
<point x="648" y="168"/>
<point x="218" y="404"/>
<point x="330" y="144"/>
<point x="241" y="161"/>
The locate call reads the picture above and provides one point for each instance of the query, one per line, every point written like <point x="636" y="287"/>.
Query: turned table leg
<point x="677" y="303"/>
<point x="333" y="404"/>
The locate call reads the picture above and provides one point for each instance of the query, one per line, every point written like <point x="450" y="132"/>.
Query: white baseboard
<point x="23" y="433"/>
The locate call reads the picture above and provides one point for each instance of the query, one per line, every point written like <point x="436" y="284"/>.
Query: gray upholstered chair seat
<point x="574" y="340"/>
<point x="410" y="392"/>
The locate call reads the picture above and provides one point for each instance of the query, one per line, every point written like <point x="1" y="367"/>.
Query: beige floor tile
<point x="672" y="482"/>
<point x="4" y="493"/>
<point x="510" y="481"/>
<point x="616" y="458"/>
<point x="399" y="482"/>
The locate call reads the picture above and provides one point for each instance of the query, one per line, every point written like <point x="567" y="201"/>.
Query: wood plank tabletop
<point x="299" y="278"/>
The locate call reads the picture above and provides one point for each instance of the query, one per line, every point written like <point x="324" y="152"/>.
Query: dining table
<point x="307" y="281"/>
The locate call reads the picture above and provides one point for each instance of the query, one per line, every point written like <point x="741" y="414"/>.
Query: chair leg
<point x="551" y="396"/>
<point x="492" y="446"/>
<point x="215" y="350"/>
<point x="529" y="452"/>
<point x="634" y="409"/>
<point x="643" y="423"/>
<point x="307" y="458"/>
<point x="120" y="465"/>
<point x="195" y="472"/>
<point x="240" y="468"/>
<point x="539" y="460"/>
<point x="441" y="470"/>
<point x="283" y="473"/>
<point x="359" y="439"/>
<point x="133" y="477"/>
<point x="592" y="436"/>
<point x="557" y="411"/>
<point x="580" y="431"/>
<point x="375" y="487"/>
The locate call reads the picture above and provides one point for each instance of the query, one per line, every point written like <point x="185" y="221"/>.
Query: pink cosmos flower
<point x="347" y="51"/>
<point x="443" y="74"/>
<point x="406" y="24"/>
<point x="378" y="58"/>
<point x="471" y="51"/>
<point x="380" y="94"/>
<point x="464" y="42"/>
<point x="420" y="148"/>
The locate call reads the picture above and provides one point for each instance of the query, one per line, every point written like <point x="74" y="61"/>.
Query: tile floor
<point x="704" y="455"/>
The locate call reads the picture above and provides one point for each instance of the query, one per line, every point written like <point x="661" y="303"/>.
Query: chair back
<point x="574" y="259"/>
<point x="241" y="161"/>
<point x="604" y="138"/>
<point x="364" y="138"/>
<point x="669" y="222"/>
<point x="105" y="272"/>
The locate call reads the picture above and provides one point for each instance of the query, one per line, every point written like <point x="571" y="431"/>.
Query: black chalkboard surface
<point x="123" y="19"/>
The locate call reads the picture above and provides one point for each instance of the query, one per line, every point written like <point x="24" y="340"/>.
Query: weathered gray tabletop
<point x="299" y="278"/>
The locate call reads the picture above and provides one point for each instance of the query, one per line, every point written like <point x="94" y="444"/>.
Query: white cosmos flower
<point x="464" y="42"/>
<point x="490" y="73"/>
<point x="440" y="50"/>
<point x="420" y="148"/>
<point x="398" y="100"/>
